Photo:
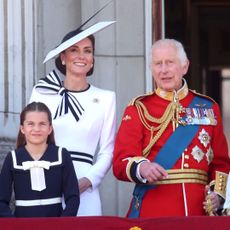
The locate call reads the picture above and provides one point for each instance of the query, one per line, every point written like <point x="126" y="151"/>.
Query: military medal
<point x="200" y="116"/>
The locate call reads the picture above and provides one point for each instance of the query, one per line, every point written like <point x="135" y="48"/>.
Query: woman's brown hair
<point x="58" y="62"/>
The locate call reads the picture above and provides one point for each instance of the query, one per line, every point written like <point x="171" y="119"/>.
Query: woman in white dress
<point x="83" y="115"/>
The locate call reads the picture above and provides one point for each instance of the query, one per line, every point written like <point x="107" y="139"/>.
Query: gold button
<point x="186" y="156"/>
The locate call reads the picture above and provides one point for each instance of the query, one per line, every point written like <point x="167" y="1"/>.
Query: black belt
<point x="83" y="157"/>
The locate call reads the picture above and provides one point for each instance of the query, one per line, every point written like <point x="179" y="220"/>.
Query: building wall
<point x="120" y="61"/>
<point x="17" y="66"/>
<point x="31" y="28"/>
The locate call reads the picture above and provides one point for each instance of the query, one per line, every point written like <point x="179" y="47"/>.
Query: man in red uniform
<point x="171" y="144"/>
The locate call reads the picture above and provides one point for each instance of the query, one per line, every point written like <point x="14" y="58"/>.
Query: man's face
<point x="167" y="68"/>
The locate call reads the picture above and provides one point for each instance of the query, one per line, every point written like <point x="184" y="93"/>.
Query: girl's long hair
<point x="32" y="107"/>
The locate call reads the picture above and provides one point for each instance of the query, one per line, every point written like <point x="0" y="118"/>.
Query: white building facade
<point x="30" y="28"/>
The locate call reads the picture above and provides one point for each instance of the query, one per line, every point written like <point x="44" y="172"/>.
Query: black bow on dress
<point x="51" y="84"/>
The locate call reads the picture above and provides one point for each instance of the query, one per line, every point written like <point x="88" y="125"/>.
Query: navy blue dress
<point x="60" y="180"/>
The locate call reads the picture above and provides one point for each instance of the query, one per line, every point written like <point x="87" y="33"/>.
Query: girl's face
<point x="79" y="57"/>
<point x="36" y="128"/>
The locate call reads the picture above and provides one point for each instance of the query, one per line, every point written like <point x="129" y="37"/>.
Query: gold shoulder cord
<point x="170" y="114"/>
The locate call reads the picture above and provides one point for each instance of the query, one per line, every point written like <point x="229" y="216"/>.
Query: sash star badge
<point x="209" y="155"/>
<point x="197" y="153"/>
<point x="204" y="138"/>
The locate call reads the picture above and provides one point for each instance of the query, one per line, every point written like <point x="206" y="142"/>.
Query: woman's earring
<point x="63" y="62"/>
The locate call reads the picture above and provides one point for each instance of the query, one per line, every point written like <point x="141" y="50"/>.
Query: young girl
<point x="39" y="172"/>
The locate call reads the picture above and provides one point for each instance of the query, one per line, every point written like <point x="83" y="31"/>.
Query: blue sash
<point x="183" y="135"/>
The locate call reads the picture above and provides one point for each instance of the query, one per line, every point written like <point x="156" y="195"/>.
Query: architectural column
<point x="158" y="19"/>
<point x="17" y="65"/>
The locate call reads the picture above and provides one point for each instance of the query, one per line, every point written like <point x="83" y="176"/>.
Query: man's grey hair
<point x="174" y="43"/>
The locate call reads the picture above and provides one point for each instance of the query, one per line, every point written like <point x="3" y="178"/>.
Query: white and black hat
<point x="75" y="36"/>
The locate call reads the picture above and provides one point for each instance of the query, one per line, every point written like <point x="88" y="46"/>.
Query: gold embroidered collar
<point x="171" y="95"/>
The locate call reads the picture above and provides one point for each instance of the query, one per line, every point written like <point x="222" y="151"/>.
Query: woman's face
<point x="78" y="58"/>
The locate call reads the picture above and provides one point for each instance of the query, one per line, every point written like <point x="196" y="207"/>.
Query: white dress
<point x="84" y="122"/>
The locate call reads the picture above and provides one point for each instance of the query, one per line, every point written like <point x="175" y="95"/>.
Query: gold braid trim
<point x="153" y="119"/>
<point x="130" y="162"/>
<point x="221" y="183"/>
<point x="170" y="114"/>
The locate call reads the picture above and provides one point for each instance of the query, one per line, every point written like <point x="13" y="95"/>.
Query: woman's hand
<point x="84" y="183"/>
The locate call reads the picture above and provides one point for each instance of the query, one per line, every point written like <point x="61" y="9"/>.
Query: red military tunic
<point x="209" y="154"/>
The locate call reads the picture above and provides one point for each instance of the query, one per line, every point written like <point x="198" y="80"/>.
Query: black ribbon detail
<point x="51" y="84"/>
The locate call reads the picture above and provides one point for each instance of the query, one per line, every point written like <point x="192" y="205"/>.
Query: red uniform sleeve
<point x="221" y="160"/>
<point x="128" y="145"/>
